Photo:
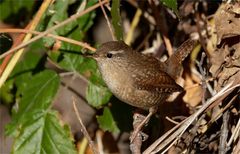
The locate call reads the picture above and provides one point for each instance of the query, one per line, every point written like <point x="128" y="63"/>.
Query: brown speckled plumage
<point x="134" y="78"/>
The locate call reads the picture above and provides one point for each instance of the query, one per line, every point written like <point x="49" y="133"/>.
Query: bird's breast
<point x="120" y="80"/>
<point x="116" y="77"/>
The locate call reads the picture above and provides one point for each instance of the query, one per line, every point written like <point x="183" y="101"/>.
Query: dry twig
<point x="61" y="38"/>
<point x="83" y="128"/>
<point x="26" y="39"/>
<point x="73" y="17"/>
<point x="108" y="22"/>
<point x="158" y="146"/>
<point x="224" y="134"/>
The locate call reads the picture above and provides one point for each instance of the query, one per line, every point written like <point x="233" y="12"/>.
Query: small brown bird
<point x="137" y="79"/>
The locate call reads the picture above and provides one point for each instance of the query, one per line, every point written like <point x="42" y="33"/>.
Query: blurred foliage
<point x="6" y="42"/>
<point x="15" y="6"/>
<point x="19" y="9"/>
<point x="35" y="126"/>
<point x="31" y="63"/>
<point x="172" y="4"/>
<point x="107" y="122"/>
<point x="116" y="19"/>
<point x="6" y="95"/>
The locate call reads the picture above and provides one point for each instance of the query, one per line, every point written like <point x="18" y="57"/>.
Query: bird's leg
<point x="138" y="128"/>
<point x="135" y="145"/>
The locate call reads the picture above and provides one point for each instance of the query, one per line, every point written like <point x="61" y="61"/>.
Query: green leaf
<point x="69" y="58"/>
<point x="107" y="122"/>
<point x="35" y="127"/>
<point x="90" y="70"/>
<point x="36" y="98"/>
<point x="43" y="134"/>
<point x="172" y="4"/>
<point x="16" y="6"/>
<point x="57" y="12"/>
<point x="23" y="71"/>
<point x="116" y="19"/>
<point x="86" y="21"/>
<point x="97" y="95"/>
<point x="6" y="95"/>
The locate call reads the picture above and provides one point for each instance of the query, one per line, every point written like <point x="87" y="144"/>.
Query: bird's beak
<point x="91" y="55"/>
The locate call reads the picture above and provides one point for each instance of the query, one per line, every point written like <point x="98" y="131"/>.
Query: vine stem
<point x="27" y="38"/>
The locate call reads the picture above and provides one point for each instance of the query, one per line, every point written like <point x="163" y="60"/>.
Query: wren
<point x="137" y="79"/>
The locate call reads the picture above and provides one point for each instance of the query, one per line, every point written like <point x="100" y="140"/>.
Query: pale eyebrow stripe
<point x="116" y="52"/>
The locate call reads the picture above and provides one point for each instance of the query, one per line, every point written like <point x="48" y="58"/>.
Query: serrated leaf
<point x="107" y="122"/>
<point x="23" y="71"/>
<point x="97" y="95"/>
<point x="35" y="127"/>
<point x="43" y="134"/>
<point x="69" y="57"/>
<point x="172" y="4"/>
<point x="71" y="54"/>
<point x="37" y="98"/>
<point x="116" y="19"/>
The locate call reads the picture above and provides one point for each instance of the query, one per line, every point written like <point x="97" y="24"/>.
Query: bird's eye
<point x="109" y="55"/>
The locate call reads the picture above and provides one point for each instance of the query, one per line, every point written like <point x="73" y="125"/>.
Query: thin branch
<point x="223" y="148"/>
<point x="15" y="43"/>
<point x="148" y="16"/>
<point x="165" y="150"/>
<point x="218" y="114"/>
<point x="162" y="138"/>
<point x="99" y="137"/>
<point x="201" y="38"/>
<point x="236" y="150"/>
<point x="72" y="18"/>
<point x="168" y="45"/>
<point x="74" y="73"/>
<point x="83" y="146"/>
<point x="83" y="128"/>
<point x="61" y="38"/>
<point x="156" y="146"/>
<point x="203" y="74"/>
<point x="171" y="120"/>
<point x="18" y="54"/>
<point x="108" y="22"/>
<point x="134" y="24"/>
<point x="235" y="133"/>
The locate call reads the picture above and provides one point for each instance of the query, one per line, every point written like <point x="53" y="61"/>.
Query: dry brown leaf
<point x="225" y="59"/>
<point x="227" y="21"/>
<point x="194" y="92"/>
